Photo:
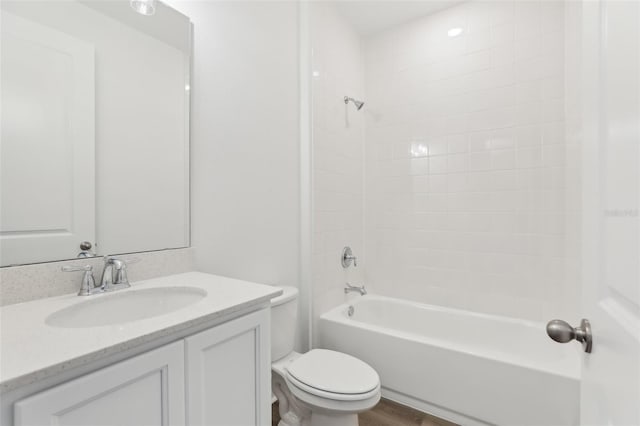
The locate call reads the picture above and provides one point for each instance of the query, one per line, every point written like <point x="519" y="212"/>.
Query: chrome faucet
<point x="114" y="274"/>
<point x="352" y="288"/>
<point x="88" y="286"/>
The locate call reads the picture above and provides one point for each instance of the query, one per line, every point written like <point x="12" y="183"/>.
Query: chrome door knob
<point x="562" y="332"/>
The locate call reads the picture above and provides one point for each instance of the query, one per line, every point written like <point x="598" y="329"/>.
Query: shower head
<point x="358" y="104"/>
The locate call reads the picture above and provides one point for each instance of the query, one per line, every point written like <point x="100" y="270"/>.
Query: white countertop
<point x="31" y="350"/>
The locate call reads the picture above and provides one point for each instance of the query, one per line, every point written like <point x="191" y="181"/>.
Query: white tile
<point x="529" y="136"/>
<point x="457" y="163"/>
<point x="457" y="143"/>
<point x="529" y="91"/>
<point x="480" y="181"/>
<point x="457" y="182"/>
<point x="552" y="16"/>
<point x="478" y="16"/>
<point x="492" y="119"/>
<point x="503" y="159"/>
<point x="479" y="141"/>
<point x="529" y="157"/>
<point x="501" y="11"/>
<point x="419" y="166"/>
<point x="502" y="54"/>
<point x="528" y="113"/>
<point x="418" y="184"/>
<point x="438" y="183"/>
<point x="437" y="147"/>
<point x="477" y="215"/>
<point x="401" y="150"/>
<point x="438" y="164"/>
<point x="502" y="33"/>
<point x="503" y="138"/>
<point x="479" y="40"/>
<point x="552" y="111"/>
<point x="528" y="45"/>
<point x="553" y="155"/>
<point x="477" y="61"/>
<point x="552" y="87"/>
<point x="480" y="161"/>
<point x="527" y="13"/>
<point x="504" y="180"/>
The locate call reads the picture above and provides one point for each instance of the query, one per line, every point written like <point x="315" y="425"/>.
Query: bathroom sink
<point x="126" y="306"/>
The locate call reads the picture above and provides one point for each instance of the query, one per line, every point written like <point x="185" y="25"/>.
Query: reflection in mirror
<point x="95" y="129"/>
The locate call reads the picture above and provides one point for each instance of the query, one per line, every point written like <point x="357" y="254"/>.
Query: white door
<point x="229" y="373"/>
<point x="147" y="390"/>
<point x="47" y="143"/>
<point x="611" y="233"/>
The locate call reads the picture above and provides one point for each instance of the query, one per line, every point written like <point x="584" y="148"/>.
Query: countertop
<point x="32" y="350"/>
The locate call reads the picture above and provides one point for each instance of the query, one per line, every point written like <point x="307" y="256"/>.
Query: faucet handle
<point x="121" y="262"/>
<point x="88" y="281"/>
<point x="120" y="267"/>
<point x="76" y="268"/>
<point x="347" y="257"/>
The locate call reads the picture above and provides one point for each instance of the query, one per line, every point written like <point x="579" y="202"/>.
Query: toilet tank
<point x="284" y="316"/>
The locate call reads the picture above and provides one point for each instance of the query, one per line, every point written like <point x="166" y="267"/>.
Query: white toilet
<point x="320" y="387"/>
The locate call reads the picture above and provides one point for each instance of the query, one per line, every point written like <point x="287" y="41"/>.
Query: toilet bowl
<point x="320" y="387"/>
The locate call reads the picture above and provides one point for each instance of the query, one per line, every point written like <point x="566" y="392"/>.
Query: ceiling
<point x="371" y="16"/>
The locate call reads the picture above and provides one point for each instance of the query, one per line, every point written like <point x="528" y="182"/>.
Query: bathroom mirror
<point x="95" y="129"/>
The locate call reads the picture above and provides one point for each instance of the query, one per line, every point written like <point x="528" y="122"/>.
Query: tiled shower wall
<point x="338" y="154"/>
<point x="466" y="169"/>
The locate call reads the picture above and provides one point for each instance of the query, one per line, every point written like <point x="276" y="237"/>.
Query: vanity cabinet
<point x="219" y="376"/>
<point x="145" y="390"/>
<point x="229" y="374"/>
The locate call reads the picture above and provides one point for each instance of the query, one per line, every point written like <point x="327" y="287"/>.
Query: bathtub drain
<point x="350" y="310"/>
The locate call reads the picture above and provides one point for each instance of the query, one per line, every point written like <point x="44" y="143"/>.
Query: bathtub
<point x="469" y="368"/>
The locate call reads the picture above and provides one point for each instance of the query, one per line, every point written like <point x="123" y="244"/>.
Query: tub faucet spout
<point x="359" y="289"/>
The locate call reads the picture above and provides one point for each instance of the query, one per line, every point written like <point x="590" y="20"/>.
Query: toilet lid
<point x="334" y="372"/>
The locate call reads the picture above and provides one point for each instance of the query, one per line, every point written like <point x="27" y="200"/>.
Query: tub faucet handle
<point x="348" y="257"/>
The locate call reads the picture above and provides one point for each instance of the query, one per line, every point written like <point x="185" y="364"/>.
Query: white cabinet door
<point x="147" y="390"/>
<point x="229" y="373"/>
<point x="47" y="198"/>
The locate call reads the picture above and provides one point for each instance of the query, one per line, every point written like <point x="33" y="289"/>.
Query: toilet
<point x="320" y="387"/>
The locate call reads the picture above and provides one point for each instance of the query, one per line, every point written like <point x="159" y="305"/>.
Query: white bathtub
<point x="472" y="369"/>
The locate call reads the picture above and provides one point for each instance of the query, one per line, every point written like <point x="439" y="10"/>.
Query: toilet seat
<point x="331" y="395"/>
<point x="333" y="375"/>
<point x="328" y="402"/>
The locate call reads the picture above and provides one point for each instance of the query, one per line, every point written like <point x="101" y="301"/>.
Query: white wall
<point x="338" y="154"/>
<point x="466" y="160"/>
<point x="244" y="140"/>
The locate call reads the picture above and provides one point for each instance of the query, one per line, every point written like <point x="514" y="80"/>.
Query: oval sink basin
<point x="118" y="308"/>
